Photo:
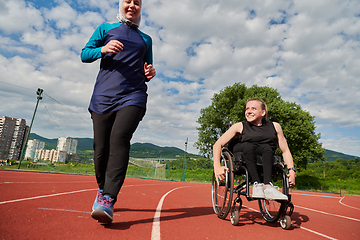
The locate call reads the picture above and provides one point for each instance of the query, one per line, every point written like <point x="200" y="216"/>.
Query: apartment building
<point x="67" y="144"/>
<point x="65" y="151"/>
<point x="12" y="137"/>
<point x="50" y="155"/>
<point x="32" y="146"/>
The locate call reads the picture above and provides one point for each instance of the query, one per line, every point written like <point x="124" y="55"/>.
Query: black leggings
<point x="112" y="134"/>
<point x="249" y="151"/>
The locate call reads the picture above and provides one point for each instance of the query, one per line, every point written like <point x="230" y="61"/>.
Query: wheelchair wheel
<point x="285" y="222"/>
<point x="235" y="217"/>
<point x="271" y="210"/>
<point x="222" y="191"/>
<point x="235" y="211"/>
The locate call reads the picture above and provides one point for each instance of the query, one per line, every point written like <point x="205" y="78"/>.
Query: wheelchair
<point x="226" y="194"/>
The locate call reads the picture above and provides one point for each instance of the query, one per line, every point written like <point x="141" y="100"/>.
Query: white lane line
<point x="68" y="210"/>
<point x="315" y="195"/>
<point x="140" y="185"/>
<point x="59" y="194"/>
<point x="358" y="220"/>
<point x="155" y="232"/>
<point x="347" y="205"/>
<point x="45" y="182"/>
<point x="252" y="209"/>
<point x="64" y="210"/>
<point x="46" y="196"/>
<point x="309" y="230"/>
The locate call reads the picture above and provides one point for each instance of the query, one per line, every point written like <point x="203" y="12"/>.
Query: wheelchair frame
<point x="224" y="201"/>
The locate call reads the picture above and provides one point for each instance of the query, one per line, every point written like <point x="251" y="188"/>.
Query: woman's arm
<point x="95" y="49"/>
<point x="285" y="153"/>
<point x="92" y="49"/>
<point x="219" y="144"/>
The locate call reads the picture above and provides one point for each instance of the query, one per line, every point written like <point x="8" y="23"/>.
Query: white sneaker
<point x="258" y="190"/>
<point x="272" y="193"/>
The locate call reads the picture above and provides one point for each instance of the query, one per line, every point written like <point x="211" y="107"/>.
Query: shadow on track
<point x="299" y="218"/>
<point x="251" y="218"/>
<point x="178" y="214"/>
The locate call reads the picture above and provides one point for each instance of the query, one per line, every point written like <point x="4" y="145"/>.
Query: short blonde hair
<point x="263" y="107"/>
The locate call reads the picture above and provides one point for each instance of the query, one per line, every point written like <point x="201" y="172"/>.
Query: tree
<point x="228" y="106"/>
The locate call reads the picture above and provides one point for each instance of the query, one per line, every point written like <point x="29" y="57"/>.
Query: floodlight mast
<point x="39" y="92"/>
<point x="184" y="165"/>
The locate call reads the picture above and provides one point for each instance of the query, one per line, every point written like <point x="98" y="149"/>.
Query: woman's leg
<point x="102" y="125"/>
<point x="248" y="151"/>
<point x="126" y="121"/>
<point x="267" y="155"/>
<point x="267" y="159"/>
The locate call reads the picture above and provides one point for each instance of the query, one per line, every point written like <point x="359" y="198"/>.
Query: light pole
<point x="184" y="165"/>
<point x="39" y="93"/>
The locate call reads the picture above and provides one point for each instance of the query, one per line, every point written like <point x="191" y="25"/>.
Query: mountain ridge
<point x="137" y="150"/>
<point x="149" y="150"/>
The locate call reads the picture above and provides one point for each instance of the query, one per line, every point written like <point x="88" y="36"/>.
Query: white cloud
<point x="345" y="145"/>
<point x="308" y="51"/>
<point x="64" y="15"/>
<point x="18" y="16"/>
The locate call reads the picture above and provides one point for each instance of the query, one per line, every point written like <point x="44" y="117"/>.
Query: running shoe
<point x="104" y="211"/>
<point x="272" y="193"/>
<point x="99" y="197"/>
<point x="258" y="190"/>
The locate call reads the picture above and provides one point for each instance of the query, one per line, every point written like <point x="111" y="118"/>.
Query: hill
<point x="332" y="156"/>
<point x="83" y="143"/>
<point x="148" y="150"/>
<point x="49" y="143"/>
<point x="137" y="150"/>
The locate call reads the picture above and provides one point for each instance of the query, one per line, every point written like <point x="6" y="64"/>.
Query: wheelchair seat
<point x="239" y="161"/>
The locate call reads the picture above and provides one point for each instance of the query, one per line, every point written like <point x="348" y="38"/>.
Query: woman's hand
<point x="291" y="177"/>
<point x="220" y="173"/>
<point x="149" y="71"/>
<point x="114" y="46"/>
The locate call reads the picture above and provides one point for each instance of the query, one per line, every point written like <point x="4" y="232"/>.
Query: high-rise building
<point x="32" y="146"/>
<point x="67" y="144"/>
<point x="12" y="136"/>
<point x="50" y="155"/>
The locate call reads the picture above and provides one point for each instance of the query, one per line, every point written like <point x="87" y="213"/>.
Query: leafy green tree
<point x="228" y="106"/>
<point x="204" y="163"/>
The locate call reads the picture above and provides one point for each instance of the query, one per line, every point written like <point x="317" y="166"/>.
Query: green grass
<point x="199" y="175"/>
<point x="70" y="168"/>
<point x="346" y="186"/>
<point x="304" y="181"/>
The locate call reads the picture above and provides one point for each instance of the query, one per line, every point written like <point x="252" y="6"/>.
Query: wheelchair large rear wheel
<point x="222" y="191"/>
<point x="272" y="210"/>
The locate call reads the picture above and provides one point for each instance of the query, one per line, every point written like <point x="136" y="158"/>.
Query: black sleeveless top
<point x="264" y="134"/>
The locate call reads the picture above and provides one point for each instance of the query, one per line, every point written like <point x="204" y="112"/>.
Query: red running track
<point x="58" y="206"/>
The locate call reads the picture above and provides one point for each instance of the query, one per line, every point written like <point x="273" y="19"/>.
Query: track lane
<point x="186" y="212"/>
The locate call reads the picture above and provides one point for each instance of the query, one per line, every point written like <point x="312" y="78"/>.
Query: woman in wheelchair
<point x="256" y="136"/>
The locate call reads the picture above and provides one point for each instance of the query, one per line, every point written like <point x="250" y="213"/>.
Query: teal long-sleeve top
<point x="121" y="80"/>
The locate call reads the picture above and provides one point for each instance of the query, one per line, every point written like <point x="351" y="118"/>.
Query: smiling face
<point x="254" y="112"/>
<point x="131" y="9"/>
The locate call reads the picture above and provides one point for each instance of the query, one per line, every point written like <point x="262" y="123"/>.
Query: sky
<point x="308" y="50"/>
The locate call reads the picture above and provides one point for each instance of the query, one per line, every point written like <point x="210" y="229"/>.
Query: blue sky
<point x="308" y="51"/>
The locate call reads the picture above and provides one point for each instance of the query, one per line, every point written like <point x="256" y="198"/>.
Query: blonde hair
<point x="263" y="107"/>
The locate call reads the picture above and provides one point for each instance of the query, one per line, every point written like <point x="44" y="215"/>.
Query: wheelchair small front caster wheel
<point x="234" y="217"/>
<point x="285" y="222"/>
